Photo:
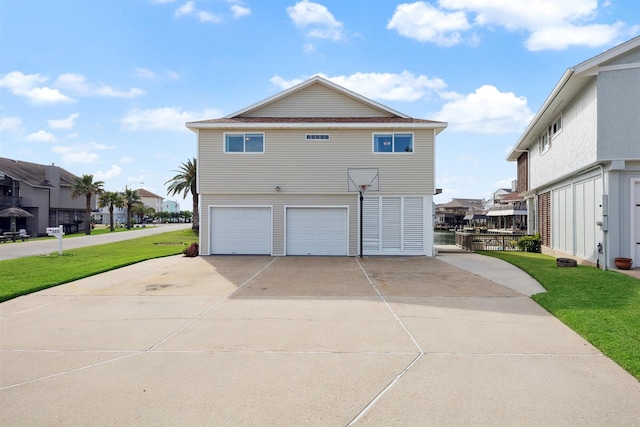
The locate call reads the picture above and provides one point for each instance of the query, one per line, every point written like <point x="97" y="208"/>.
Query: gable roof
<point x="33" y="174"/>
<point x="573" y="80"/>
<point x="463" y="203"/>
<point x="146" y="193"/>
<point x="254" y="116"/>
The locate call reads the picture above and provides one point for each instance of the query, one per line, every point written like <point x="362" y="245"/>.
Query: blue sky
<point x="104" y="87"/>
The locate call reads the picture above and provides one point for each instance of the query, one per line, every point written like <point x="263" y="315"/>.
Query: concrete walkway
<point x="310" y="341"/>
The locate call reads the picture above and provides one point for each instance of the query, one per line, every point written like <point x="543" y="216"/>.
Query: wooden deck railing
<point x="488" y="242"/>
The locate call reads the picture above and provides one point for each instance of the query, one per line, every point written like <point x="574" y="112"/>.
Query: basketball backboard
<point x="359" y="177"/>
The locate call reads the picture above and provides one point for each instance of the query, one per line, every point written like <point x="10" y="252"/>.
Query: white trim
<point x="324" y="125"/>
<point x="315" y="207"/>
<point x="632" y="223"/>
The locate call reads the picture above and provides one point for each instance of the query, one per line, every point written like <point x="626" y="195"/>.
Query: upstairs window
<point x="545" y="140"/>
<point x="244" y="143"/>
<point x="393" y="143"/>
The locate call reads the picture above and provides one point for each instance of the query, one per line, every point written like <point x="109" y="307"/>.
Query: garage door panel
<point x="241" y="230"/>
<point x="317" y="231"/>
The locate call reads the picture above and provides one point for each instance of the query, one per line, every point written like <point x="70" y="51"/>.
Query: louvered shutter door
<point x="371" y="225"/>
<point x="391" y="224"/>
<point x="413" y="224"/>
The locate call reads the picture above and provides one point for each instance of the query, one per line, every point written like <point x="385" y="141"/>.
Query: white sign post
<point x="58" y="232"/>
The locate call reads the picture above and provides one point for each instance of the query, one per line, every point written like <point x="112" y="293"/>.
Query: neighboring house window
<point x="543" y="141"/>
<point x="393" y="143"/>
<point x="244" y="143"/>
<point x="322" y="136"/>
<point x="552" y="131"/>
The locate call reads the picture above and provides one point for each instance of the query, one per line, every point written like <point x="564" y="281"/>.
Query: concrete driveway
<point x="258" y="341"/>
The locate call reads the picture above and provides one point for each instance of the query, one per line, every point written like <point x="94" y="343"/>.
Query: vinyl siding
<point x="317" y="101"/>
<point x="316" y="167"/>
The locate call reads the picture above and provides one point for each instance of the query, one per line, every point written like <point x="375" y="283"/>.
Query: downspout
<point x="605" y="220"/>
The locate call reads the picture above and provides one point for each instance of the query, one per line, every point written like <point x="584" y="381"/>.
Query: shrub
<point x="530" y="243"/>
<point x="191" y="250"/>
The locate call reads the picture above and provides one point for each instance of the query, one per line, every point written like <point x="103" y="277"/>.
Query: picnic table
<point x="13" y="236"/>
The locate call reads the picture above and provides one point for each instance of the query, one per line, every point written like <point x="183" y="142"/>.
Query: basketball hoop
<point x="363" y="188"/>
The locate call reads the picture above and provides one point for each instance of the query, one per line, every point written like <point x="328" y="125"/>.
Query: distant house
<point x="283" y="176"/>
<point x="42" y="190"/>
<point x="150" y="199"/>
<point x="170" y="206"/>
<point x="508" y="212"/>
<point x="579" y="160"/>
<point x="458" y="212"/>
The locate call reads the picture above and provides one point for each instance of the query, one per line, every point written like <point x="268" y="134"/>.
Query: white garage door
<point x="241" y="230"/>
<point x="317" y="231"/>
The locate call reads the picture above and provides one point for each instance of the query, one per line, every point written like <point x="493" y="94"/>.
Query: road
<point x="46" y="246"/>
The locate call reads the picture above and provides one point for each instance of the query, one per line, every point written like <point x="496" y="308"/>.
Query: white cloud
<point x="10" y="124"/>
<point x="551" y="24"/>
<point x="487" y="110"/>
<point x="186" y="9"/>
<point x="167" y="118"/>
<point x="145" y="73"/>
<point x="308" y="48"/>
<point x="189" y="9"/>
<point x="204" y="16"/>
<point x="316" y="19"/>
<point x="426" y="23"/>
<point x="560" y="38"/>
<point x="67" y="123"/>
<point x="41" y="136"/>
<point x="113" y="172"/>
<point x="77" y="84"/>
<point x="81" y="152"/>
<point x="26" y="85"/>
<point x="404" y="86"/>
<point x="240" y="11"/>
<point x="148" y="74"/>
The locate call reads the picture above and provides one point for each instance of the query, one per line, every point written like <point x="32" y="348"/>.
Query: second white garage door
<point x="317" y="231"/>
<point x="241" y="230"/>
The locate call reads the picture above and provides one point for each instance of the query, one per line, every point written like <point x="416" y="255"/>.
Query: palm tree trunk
<point x="111" y="217"/>
<point x="196" y="213"/>
<point x="87" y="216"/>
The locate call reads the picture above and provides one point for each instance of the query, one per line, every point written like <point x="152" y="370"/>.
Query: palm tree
<point x="131" y="199"/>
<point x="185" y="182"/>
<point x="111" y="199"/>
<point x="85" y="186"/>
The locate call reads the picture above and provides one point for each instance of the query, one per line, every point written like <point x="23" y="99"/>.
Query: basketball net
<point x="363" y="188"/>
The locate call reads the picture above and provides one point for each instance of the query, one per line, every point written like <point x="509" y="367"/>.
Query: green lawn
<point x="25" y="275"/>
<point x="601" y="306"/>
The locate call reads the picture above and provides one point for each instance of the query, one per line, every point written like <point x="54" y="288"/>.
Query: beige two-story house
<point x="283" y="176"/>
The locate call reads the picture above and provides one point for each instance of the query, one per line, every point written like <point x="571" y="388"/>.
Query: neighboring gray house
<point x="579" y="160"/>
<point x="42" y="190"/>
<point x="281" y="177"/>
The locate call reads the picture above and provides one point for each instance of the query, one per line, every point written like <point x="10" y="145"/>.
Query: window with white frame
<point x="244" y="143"/>
<point x="546" y="138"/>
<point x="393" y="143"/>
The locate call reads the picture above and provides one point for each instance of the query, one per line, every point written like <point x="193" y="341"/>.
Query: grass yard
<point x="602" y="306"/>
<point x="25" y="275"/>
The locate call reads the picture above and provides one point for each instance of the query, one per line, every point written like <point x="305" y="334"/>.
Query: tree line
<point x="183" y="182"/>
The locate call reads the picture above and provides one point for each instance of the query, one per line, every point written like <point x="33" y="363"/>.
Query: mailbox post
<point x="58" y="232"/>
